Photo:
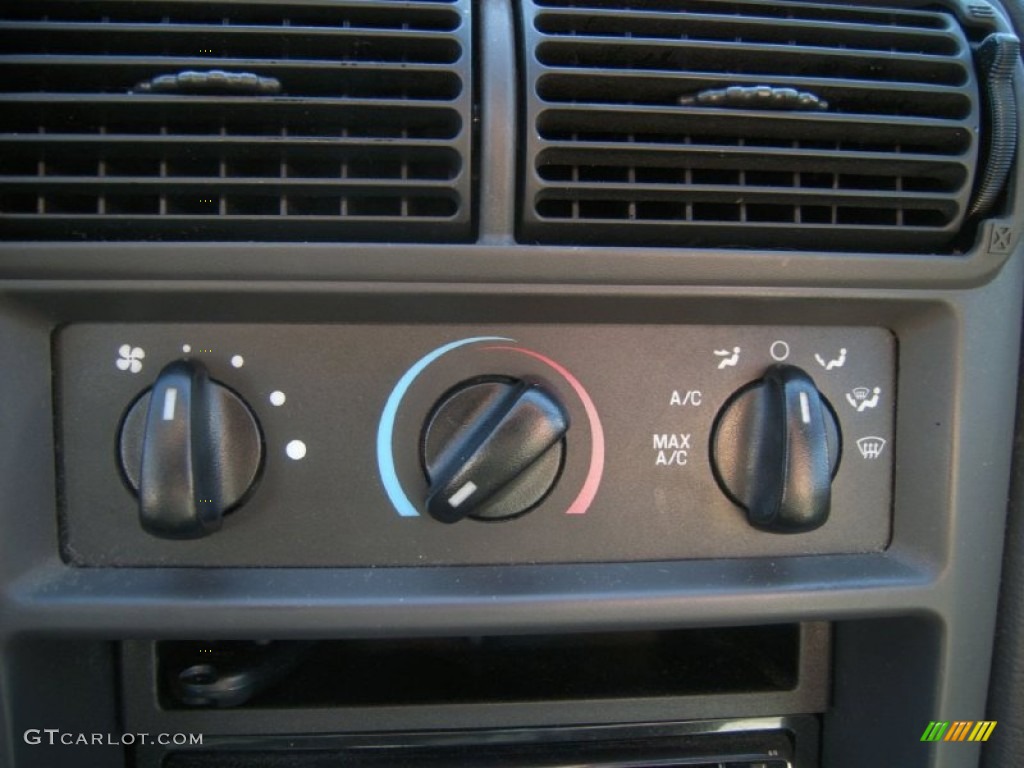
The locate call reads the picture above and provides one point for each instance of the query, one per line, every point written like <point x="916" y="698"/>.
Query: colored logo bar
<point x="959" y="730"/>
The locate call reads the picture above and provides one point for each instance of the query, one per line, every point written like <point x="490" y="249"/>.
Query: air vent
<point x="187" y="120"/>
<point x="747" y="124"/>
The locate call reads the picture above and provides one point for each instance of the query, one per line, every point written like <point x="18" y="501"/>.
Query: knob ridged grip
<point x="191" y="449"/>
<point x="775" y="448"/>
<point x="492" y="450"/>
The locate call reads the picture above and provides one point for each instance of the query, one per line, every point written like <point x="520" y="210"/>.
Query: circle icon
<point x="779" y="351"/>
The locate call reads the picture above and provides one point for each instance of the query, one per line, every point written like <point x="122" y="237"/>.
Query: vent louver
<point x="105" y="135"/>
<point x="631" y="141"/>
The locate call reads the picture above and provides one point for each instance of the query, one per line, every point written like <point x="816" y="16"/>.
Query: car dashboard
<point x="488" y="383"/>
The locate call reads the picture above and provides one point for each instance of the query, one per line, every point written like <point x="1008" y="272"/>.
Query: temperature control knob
<point x="492" y="449"/>
<point x="191" y="449"/>
<point x="775" y="448"/>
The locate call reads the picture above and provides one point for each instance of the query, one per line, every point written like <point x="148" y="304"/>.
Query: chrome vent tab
<point x="743" y="123"/>
<point x="225" y="120"/>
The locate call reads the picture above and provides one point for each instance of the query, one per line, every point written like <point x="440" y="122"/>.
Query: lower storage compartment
<point x="706" y="697"/>
<point x="487" y="669"/>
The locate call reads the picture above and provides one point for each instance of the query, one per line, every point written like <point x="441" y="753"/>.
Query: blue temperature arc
<point x="386" y="428"/>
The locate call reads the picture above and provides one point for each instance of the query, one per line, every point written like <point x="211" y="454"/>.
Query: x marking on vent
<point x="1001" y="240"/>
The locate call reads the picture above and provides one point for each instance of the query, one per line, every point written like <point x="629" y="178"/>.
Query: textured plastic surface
<point x="492" y="450"/>
<point x="913" y="623"/>
<point x="775" y="448"/>
<point x="351" y="684"/>
<point x="367" y="137"/>
<point x="1006" y="691"/>
<point x="637" y="482"/>
<point x="747" y="743"/>
<point x="620" y="146"/>
<point x="190" y="449"/>
<point x="939" y="334"/>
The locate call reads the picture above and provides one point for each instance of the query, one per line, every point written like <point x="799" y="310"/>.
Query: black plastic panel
<point x="344" y="481"/>
<point x="913" y="622"/>
<point x="456" y="671"/>
<point x="926" y="571"/>
<point x="217" y="121"/>
<point x="842" y="127"/>
<point x="749" y="743"/>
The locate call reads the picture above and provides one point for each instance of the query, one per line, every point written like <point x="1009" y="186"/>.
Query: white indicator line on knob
<point x="805" y="408"/>
<point x="170" y="400"/>
<point x="462" y="494"/>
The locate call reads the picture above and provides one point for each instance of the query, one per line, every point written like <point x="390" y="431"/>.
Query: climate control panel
<point x="378" y="445"/>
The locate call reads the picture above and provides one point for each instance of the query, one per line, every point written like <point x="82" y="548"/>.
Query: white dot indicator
<point x="296" y="449"/>
<point x="277" y="398"/>
<point x="186" y="348"/>
<point x="238" y="361"/>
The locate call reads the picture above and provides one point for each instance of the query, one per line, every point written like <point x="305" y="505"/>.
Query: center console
<point x="506" y="384"/>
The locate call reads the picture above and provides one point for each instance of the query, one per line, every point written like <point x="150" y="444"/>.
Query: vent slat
<point x="298" y="77"/>
<point x="686" y="80"/>
<point x="127" y="143"/>
<point x="124" y="154"/>
<point x="334" y="14"/>
<point x="793" y="160"/>
<point x="382" y="118"/>
<point x="368" y="138"/>
<point x="635" y="152"/>
<point x="941" y="137"/>
<point x="129" y="220"/>
<point x="227" y="42"/>
<point x="633" y="49"/>
<point x="750" y="58"/>
<point x="881" y="16"/>
<point x="180" y="63"/>
<point x="164" y="100"/>
<point x="282" y="31"/>
<point x="169" y="226"/>
<point x="656" y="88"/>
<point x="630" y="124"/>
<point x="215" y="185"/>
<point x="587" y="22"/>
<point x="365" y="119"/>
<point x="787" y="116"/>
<point x="740" y="194"/>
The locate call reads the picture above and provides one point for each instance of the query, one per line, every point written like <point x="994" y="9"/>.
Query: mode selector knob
<point x="492" y="449"/>
<point x="191" y="449"/>
<point x="775" y="448"/>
